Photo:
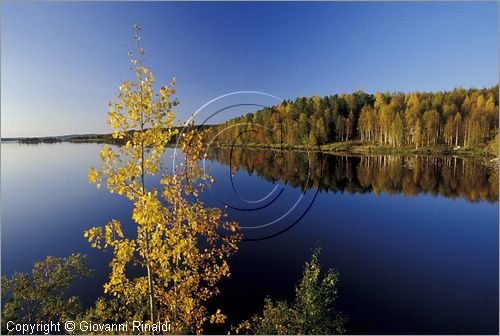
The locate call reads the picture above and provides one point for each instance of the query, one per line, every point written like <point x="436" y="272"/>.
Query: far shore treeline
<point x="458" y="119"/>
<point x="86" y="138"/>
<point x="461" y="117"/>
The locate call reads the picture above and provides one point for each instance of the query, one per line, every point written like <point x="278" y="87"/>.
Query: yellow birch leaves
<point x="182" y="244"/>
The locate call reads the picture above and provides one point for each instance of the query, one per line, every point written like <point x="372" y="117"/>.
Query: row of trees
<point x="455" y="118"/>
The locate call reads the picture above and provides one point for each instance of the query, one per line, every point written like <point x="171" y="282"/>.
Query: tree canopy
<point x="461" y="117"/>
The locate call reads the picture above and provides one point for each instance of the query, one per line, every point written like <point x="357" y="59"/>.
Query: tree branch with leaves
<point x="181" y="245"/>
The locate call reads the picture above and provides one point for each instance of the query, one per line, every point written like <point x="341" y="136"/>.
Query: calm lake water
<point x="415" y="240"/>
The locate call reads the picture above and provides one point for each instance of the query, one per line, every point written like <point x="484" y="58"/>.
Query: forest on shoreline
<point x="461" y="122"/>
<point x="461" y="118"/>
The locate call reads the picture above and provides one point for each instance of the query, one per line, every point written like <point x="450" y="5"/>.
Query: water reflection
<point x="450" y="177"/>
<point x="408" y="265"/>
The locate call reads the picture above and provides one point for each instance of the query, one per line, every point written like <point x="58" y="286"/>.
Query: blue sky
<point x="62" y="62"/>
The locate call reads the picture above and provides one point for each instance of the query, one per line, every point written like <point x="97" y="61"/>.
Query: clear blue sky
<point x="62" y="62"/>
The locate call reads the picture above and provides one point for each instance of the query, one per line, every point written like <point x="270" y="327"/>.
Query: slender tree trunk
<point x="152" y="306"/>
<point x="465" y="137"/>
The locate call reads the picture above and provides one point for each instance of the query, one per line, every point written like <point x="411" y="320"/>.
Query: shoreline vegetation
<point x="354" y="147"/>
<point x="458" y="122"/>
<point x="461" y="122"/>
<point x="364" y="148"/>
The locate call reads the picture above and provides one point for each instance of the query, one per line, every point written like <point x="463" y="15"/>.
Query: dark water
<point x="415" y="240"/>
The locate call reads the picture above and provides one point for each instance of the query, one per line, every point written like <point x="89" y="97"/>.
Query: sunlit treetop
<point x="144" y="119"/>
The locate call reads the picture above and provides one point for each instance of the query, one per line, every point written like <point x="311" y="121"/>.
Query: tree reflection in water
<point x="446" y="176"/>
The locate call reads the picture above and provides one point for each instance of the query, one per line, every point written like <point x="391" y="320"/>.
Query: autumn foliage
<point x="181" y="245"/>
<point x="461" y="117"/>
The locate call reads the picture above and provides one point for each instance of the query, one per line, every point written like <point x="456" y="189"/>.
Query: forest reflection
<point x="448" y="176"/>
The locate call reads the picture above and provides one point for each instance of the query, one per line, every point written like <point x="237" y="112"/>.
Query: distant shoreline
<point x="346" y="147"/>
<point x="81" y="138"/>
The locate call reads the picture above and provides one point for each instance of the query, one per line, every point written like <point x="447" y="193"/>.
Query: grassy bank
<point x="358" y="147"/>
<point x="364" y="148"/>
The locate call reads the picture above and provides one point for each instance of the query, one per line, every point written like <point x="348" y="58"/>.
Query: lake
<point x="415" y="239"/>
